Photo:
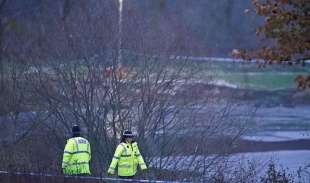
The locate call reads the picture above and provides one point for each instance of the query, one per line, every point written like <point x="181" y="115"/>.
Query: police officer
<point x="77" y="154"/>
<point x="127" y="157"/>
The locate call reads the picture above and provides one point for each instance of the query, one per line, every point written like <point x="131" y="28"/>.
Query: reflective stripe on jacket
<point x="127" y="157"/>
<point x="76" y="157"/>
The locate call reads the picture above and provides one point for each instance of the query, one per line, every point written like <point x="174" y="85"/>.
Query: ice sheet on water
<point x="290" y="160"/>
<point x="277" y="136"/>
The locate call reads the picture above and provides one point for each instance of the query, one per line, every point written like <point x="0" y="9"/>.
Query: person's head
<point x="127" y="136"/>
<point x="76" y="131"/>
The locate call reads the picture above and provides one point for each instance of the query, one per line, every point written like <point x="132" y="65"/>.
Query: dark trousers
<point x="82" y="174"/>
<point x="126" y="177"/>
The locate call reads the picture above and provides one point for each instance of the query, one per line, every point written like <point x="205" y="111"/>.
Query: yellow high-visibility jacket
<point x="76" y="157"/>
<point x="127" y="157"/>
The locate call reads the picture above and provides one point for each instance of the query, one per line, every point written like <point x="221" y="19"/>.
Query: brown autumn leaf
<point x="286" y="26"/>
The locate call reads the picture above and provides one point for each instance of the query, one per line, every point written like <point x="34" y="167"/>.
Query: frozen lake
<point x="277" y="136"/>
<point x="287" y="159"/>
<point x="291" y="161"/>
